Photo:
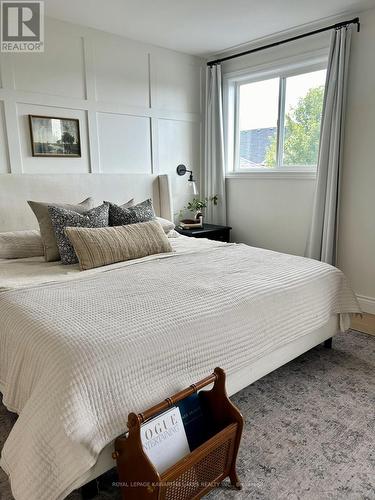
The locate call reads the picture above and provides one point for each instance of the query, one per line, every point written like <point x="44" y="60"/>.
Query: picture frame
<point x="56" y="137"/>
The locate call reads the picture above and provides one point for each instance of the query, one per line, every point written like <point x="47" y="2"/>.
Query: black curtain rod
<point x="292" y="39"/>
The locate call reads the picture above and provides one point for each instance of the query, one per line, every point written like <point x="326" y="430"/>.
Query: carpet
<point x="309" y="429"/>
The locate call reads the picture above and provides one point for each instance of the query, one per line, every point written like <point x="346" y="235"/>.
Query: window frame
<point x="282" y="69"/>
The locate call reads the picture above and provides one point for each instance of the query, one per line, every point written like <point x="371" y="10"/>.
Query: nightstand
<point x="210" y="231"/>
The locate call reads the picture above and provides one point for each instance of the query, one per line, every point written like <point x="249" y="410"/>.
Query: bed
<point x="79" y="350"/>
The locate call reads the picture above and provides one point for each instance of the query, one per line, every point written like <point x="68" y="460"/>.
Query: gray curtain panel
<point x="322" y="239"/>
<point x="213" y="182"/>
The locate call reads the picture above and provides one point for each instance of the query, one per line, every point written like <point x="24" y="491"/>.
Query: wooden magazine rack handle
<point x="179" y="396"/>
<point x="139" y="480"/>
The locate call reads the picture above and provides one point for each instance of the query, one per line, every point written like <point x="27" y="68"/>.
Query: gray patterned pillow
<point x="61" y="218"/>
<point x="120" y="216"/>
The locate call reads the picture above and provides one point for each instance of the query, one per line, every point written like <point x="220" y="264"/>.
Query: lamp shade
<point x="182" y="170"/>
<point x="193" y="187"/>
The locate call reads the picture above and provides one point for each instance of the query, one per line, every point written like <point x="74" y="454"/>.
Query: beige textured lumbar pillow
<point x="21" y="244"/>
<point x="97" y="247"/>
<point x="47" y="232"/>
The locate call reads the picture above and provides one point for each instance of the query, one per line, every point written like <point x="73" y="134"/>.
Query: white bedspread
<point x="78" y="354"/>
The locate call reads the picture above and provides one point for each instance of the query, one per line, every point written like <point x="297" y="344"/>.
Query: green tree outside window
<point x="302" y="132"/>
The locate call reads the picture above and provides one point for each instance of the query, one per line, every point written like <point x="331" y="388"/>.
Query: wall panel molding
<point x="119" y="89"/>
<point x="13" y="137"/>
<point x="93" y="138"/>
<point x="97" y="106"/>
<point x="89" y="68"/>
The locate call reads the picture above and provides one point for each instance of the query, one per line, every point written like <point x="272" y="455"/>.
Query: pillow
<point x="62" y="218"/>
<point x="21" y="244"/>
<point x="107" y="245"/>
<point x="173" y="234"/>
<point x="167" y="225"/>
<point x="51" y="251"/>
<point x="119" y="216"/>
<point x="128" y="204"/>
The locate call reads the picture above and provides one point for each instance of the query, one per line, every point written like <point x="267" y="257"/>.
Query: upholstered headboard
<point x="15" y="190"/>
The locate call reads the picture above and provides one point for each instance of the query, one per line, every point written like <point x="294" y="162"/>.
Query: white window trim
<point x="303" y="63"/>
<point x="273" y="174"/>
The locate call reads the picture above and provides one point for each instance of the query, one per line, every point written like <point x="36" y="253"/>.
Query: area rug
<point x="309" y="429"/>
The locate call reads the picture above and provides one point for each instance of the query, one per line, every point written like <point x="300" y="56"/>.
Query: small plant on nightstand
<point x="196" y="205"/>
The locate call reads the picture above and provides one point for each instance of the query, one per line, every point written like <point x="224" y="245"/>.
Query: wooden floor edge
<point x="366" y="324"/>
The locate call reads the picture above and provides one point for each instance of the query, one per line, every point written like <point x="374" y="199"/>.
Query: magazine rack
<point x="201" y="470"/>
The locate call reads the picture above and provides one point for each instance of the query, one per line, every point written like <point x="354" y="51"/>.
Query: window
<point x="258" y="116"/>
<point x="275" y="120"/>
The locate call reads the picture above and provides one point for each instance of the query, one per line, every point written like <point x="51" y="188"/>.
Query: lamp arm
<point x="182" y="170"/>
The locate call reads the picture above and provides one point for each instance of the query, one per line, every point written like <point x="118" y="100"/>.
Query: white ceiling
<point x="198" y="27"/>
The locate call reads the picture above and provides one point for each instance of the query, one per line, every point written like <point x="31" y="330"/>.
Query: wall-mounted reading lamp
<point x="182" y="170"/>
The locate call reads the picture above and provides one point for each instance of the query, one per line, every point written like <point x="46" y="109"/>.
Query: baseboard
<point x="367" y="303"/>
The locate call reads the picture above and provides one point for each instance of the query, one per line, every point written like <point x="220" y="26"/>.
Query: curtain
<point x="322" y="238"/>
<point x="213" y="167"/>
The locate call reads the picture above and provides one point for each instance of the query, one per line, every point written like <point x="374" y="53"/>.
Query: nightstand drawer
<point x="209" y="231"/>
<point x="223" y="235"/>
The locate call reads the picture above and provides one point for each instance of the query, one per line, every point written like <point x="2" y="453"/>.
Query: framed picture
<point x="57" y="137"/>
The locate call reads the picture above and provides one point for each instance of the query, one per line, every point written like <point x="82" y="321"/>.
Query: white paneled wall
<point x="124" y="143"/>
<point x="177" y="140"/>
<point x="139" y="106"/>
<point x="127" y="63"/>
<point x="59" y="70"/>
<point x="174" y="84"/>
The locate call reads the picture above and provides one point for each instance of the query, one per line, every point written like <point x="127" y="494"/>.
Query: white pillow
<point x="21" y="244"/>
<point x="166" y="224"/>
<point x="173" y="234"/>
